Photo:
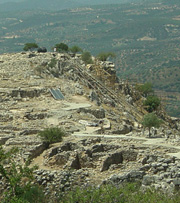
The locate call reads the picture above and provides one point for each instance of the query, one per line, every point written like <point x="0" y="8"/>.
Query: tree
<point x="104" y="56"/>
<point x="151" y="120"/>
<point x="62" y="47"/>
<point x="30" y="46"/>
<point x="52" y="135"/>
<point x="152" y="103"/>
<point x="76" y="49"/>
<point x="86" y="57"/>
<point x="145" y="89"/>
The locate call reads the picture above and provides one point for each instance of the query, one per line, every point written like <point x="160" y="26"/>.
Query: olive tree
<point x="151" y="120"/>
<point x="61" y="47"/>
<point x="30" y="46"/>
<point x="152" y="103"/>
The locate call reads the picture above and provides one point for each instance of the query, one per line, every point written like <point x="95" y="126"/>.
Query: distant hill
<point x="16" y="5"/>
<point x="39" y="4"/>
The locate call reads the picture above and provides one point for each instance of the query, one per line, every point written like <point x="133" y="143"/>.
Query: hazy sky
<point x="5" y="1"/>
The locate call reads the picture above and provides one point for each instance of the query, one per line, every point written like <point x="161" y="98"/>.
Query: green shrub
<point x="19" y="179"/>
<point x="125" y="193"/>
<point x="35" y="194"/>
<point x="145" y="89"/>
<point x="62" y="47"/>
<point x="52" y="135"/>
<point x="75" y="49"/>
<point x="152" y="103"/>
<point x="30" y="46"/>
<point x="104" y="56"/>
<point x="86" y="57"/>
<point x="151" y="120"/>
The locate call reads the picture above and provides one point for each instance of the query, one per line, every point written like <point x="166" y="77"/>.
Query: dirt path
<point x="146" y="141"/>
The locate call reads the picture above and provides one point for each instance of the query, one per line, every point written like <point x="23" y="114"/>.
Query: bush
<point x="76" y="49"/>
<point x="104" y="56"/>
<point x="62" y="47"/>
<point x="35" y="194"/>
<point x="125" y="193"/>
<point x="151" y="120"/>
<point x="52" y="135"/>
<point x="86" y="57"/>
<point x="20" y="180"/>
<point x="152" y="103"/>
<point x="145" y="89"/>
<point x="30" y="46"/>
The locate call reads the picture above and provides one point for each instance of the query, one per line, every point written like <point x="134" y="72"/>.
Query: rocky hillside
<point x="105" y="142"/>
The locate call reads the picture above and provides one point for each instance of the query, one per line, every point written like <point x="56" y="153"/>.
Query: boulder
<point x="97" y="148"/>
<point x="115" y="158"/>
<point x="74" y="163"/>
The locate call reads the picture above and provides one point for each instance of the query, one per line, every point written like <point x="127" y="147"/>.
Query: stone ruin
<point x="92" y="154"/>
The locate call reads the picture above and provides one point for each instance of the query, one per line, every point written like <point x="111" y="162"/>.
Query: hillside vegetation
<point x="144" y="36"/>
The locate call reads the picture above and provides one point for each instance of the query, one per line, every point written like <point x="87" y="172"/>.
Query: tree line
<point x="64" y="48"/>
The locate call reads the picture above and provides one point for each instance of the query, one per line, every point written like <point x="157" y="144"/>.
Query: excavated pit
<point x="87" y="154"/>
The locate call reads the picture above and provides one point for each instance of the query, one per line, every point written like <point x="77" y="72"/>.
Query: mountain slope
<point x="18" y="5"/>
